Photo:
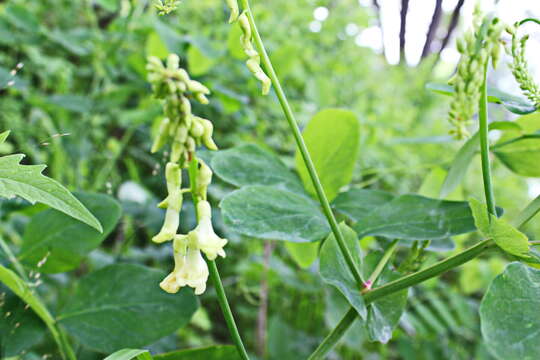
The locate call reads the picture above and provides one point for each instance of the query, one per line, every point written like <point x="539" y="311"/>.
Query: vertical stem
<point x="302" y="147"/>
<point x="262" y="317"/>
<point x="214" y="273"/>
<point x="484" y="145"/>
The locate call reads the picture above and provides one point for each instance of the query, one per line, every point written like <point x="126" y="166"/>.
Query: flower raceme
<point x="183" y="131"/>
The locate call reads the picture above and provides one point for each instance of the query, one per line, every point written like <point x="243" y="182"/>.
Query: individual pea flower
<point x="173" y="203"/>
<point x="235" y="11"/>
<point x="254" y="61"/>
<point x="204" y="236"/>
<point x="190" y="269"/>
<point x="162" y="135"/>
<point x="207" y="138"/>
<point x="165" y="7"/>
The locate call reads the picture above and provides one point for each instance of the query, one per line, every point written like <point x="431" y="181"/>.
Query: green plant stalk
<point x="400" y="284"/>
<point x="64" y="347"/>
<point x="214" y="273"/>
<point x="265" y="59"/>
<point x="484" y="145"/>
<point x="351" y="314"/>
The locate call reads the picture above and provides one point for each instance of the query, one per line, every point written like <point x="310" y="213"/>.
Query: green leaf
<point x="3" y="136"/>
<point x="355" y="203"/>
<point x="20" y="328"/>
<point x="413" y="217"/>
<point x="63" y="241"/>
<point x="512" y="103"/>
<point x="332" y="138"/>
<point x="509" y="314"/>
<point x="21" y="289"/>
<point x="383" y="314"/>
<point x="222" y="352"/>
<point x="521" y="156"/>
<point x="156" y="47"/>
<point x="251" y="165"/>
<point x="481" y="216"/>
<point x="128" y="354"/>
<point x="268" y="213"/>
<point x="304" y="254"/>
<point x="122" y="306"/>
<point x="334" y="269"/>
<point x="28" y="182"/>
<point x="509" y="238"/>
<point x="199" y="63"/>
<point x="460" y="165"/>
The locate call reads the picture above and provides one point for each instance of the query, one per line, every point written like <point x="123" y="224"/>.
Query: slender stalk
<point x="382" y="263"/>
<point x="335" y="335"/>
<point x="265" y="59"/>
<point x="214" y="273"/>
<point x="400" y="284"/>
<point x="484" y="146"/>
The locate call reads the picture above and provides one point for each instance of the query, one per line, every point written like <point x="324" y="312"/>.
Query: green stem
<point x="337" y="333"/>
<point x="382" y="263"/>
<point x="265" y="59"/>
<point x="484" y="146"/>
<point x="214" y="273"/>
<point x="400" y="284"/>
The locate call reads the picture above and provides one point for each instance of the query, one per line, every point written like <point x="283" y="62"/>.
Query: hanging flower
<point x="204" y="236"/>
<point x="190" y="269"/>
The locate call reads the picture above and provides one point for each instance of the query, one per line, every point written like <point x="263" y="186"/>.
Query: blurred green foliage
<point x="82" y="105"/>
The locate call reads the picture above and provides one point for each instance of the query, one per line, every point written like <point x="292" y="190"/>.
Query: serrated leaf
<point x="268" y="213"/>
<point x="63" y="241"/>
<point x="122" y="306"/>
<point x="509" y="314"/>
<point x="332" y="137"/>
<point x="222" y="352"/>
<point x="28" y="182"/>
<point x="250" y="165"/>
<point x="481" y="216"/>
<point x="335" y="271"/>
<point x="508" y="238"/>
<point x="128" y="354"/>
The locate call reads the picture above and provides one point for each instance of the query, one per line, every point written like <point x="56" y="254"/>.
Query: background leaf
<point x="62" y="241"/>
<point x="332" y="138"/>
<point x="128" y="354"/>
<point x="460" y="165"/>
<point x="413" y="217"/>
<point x="251" y="165"/>
<point x="268" y="213"/>
<point x="122" y="306"/>
<point x="223" y="352"/>
<point x="356" y="203"/>
<point x="521" y="156"/>
<point x="509" y="313"/>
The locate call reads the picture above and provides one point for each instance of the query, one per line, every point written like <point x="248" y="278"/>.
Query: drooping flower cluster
<point x="184" y="131"/>
<point x="253" y="62"/>
<point x="520" y="66"/>
<point x="477" y="46"/>
<point x="165" y="7"/>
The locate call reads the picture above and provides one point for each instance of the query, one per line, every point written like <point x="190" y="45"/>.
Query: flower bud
<point x="233" y="6"/>
<point x="162" y="136"/>
<point x="204" y="178"/>
<point x="207" y="135"/>
<point x="173" y="174"/>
